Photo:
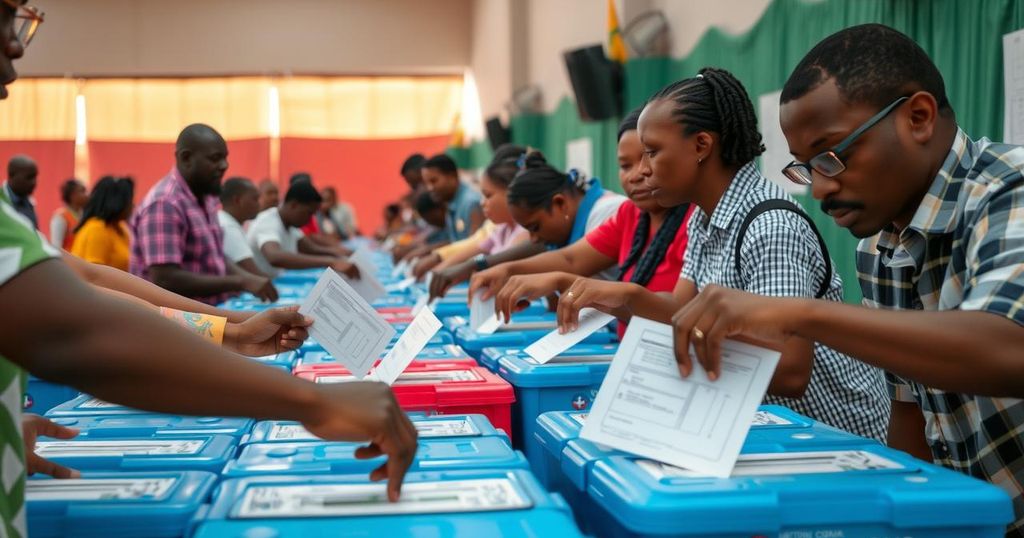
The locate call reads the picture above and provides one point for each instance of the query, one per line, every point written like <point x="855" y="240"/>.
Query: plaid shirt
<point x="170" y="227"/>
<point x="963" y="249"/>
<point x="781" y="258"/>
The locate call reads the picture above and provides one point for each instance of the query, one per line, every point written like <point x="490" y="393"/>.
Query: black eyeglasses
<point x="26" y="20"/>
<point x="828" y="163"/>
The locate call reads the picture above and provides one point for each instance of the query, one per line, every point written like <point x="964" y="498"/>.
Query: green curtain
<point x="963" y="37"/>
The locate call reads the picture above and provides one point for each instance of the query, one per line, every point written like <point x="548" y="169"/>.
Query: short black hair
<point x="716" y="101"/>
<point x="235" y="186"/>
<point x="68" y="188"/>
<point x="413" y="162"/>
<point x="109" y="199"/>
<point x="303" y="192"/>
<point x="425" y="203"/>
<point x="443" y="163"/>
<point x="629" y="123"/>
<point x="872" y="64"/>
<point x="300" y="176"/>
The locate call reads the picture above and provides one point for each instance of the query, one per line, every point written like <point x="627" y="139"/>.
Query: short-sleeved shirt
<point x="171" y="226"/>
<point x="781" y="257"/>
<point x="963" y="250"/>
<point x="99" y="242"/>
<point x="236" y="246"/>
<point x="268" y="227"/>
<point x="604" y="208"/>
<point x="460" y="212"/>
<point x="614" y="239"/>
<point x="20" y="248"/>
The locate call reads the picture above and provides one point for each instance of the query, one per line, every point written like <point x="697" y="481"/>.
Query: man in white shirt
<point x="277" y="242"/>
<point x="240" y="203"/>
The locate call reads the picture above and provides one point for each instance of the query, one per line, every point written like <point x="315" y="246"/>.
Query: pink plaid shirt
<point x="170" y="227"/>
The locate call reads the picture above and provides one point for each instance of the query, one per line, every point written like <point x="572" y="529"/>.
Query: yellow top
<point x="96" y="242"/>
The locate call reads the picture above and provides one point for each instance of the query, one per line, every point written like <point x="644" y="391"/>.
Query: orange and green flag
<point x="616" y="46"/>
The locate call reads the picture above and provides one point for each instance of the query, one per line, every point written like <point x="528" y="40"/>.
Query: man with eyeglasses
<point x="62" y="330"/>
<point x="941" y="263"/>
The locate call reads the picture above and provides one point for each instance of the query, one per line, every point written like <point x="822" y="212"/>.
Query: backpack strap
<point x="785" y="205"/>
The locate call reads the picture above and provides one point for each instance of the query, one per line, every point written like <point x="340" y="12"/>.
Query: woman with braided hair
<point x="700" y="139"/>
<point x="642" y="243"/>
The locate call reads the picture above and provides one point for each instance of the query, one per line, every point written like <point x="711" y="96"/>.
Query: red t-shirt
<point x="614" y="238"/>
<point x="311" y="227"/>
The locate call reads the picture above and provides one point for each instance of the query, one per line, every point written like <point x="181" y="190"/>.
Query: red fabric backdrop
<point x="56" y="160"/>
<point x="365" y="172"/>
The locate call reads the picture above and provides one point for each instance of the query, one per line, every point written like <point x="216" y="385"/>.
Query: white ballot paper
<point x="646" y="408"/>
<point x="345" y="324"/>
<point x="368" y="287"/>
<point x="400" y="269"/>
<point x="480" y="311"/>
<point x="552" y="344"/>
<point x="401" y="285"/>
<point x="412" y="341"/>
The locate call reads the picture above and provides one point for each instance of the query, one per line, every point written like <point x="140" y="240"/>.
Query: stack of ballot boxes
<point x="568" y="382"/>
<point x="795" y="477"/>
<point x="143" y="474"/>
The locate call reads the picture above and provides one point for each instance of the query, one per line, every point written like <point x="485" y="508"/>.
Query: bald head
<point x="21" y="175"/>
<point x="202" y="158"/>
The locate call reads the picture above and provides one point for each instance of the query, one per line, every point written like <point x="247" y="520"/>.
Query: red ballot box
<point x="442" y="388"/>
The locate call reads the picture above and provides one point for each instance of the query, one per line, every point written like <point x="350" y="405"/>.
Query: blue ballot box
<point x="284" y="360"/>
<point x="139" y="426"/>
<point x="83" y="404"/>
<point x="441" y="352"/>
<point x="41" y="396"/>
<point x="490" y="356"/>
<point x="523" y="331"/>
<point x="126" y="505"/>
<point x="453" y="504"/>
<point x="559" y="385"/>
<point x="428" y="427"/>
<point x="339" y="458"/>
<point x="153" y="453"/>
<point x="863" y="491"/>
<point x="299" y="276"/>
<point x="566" y="460"/>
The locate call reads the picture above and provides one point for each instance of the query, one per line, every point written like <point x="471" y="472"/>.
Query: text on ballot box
<point x="646" y="407"/>
<point x="130" y="505"/>
<point x="191" y="453"/>
<point x="428" y="427"/>
<point x="452" y="504"/>
<point x="345" y="324"/>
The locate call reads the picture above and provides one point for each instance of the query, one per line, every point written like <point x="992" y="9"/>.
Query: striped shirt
<point x="780" y="257"/>
<point x="963" y="249"/>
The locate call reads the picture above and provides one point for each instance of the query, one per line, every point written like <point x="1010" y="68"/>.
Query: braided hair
<point x="647" y="261"/>
<point x="537" y="182"/>
<point x="715" y="101"/>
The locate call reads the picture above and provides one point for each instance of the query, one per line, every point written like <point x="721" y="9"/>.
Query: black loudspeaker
<point x="596" y="81"/>
<point x="497" y="134"/>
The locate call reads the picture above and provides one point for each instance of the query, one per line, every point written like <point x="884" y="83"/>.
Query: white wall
<point x="210" y="37"/>
<point x="491" y="54"/>
<point x="690" y="20"/>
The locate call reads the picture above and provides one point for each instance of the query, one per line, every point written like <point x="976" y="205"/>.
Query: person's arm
<point x="267" y="293"/>
<point x="279" y="257"/>
<point x="129" y="284"/>
<point x="173" y="278"/>
<point x="249" y="266"/>
<point x="58" y="230"/>
<point x="578" y="258"/>
<point x="308" y="245"/>
<point x="94" y="342"/>
<point x="906" y="430"/>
